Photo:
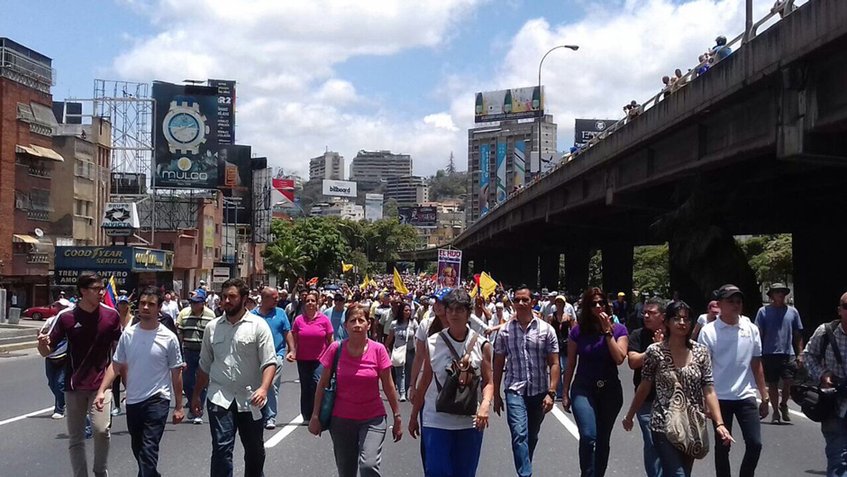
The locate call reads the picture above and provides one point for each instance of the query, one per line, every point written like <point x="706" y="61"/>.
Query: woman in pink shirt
<point x="358" y="417"/>
<point x="312" y="333"/>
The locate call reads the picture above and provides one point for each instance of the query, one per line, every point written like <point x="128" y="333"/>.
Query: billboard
<point x="339" y="188"/>
<point x="225" y="123"/>
<point x="501" y="171"/>
<point x="373" y="206"/>
<point x="515" y="103"/>
<point x="585" y="129"/>
<point x="261" y="205"/>
<point x="237" y="184"/>
<point x="484" y="177"/>
<point x="449" y="267"/>
<point x="186" y="136"/>
<point x="420" y="216"/>
<point x="519" y="165"/>
<point x="120" y="219"/>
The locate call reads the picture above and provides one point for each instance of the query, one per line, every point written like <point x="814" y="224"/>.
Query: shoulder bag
<point x="398" y="353"/>
<point x="818" y="403"/>
<point x="686" y="426"/>
<point x="460" y="391"/>
<point x="328" y="400"/>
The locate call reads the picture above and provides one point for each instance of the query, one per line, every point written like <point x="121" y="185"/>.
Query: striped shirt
<point x="527" y="352"/>
<point x="191" y="327"/>
<point x="817" y="366"/>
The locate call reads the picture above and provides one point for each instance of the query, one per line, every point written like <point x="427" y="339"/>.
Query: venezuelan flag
<point x="110" y="297"/>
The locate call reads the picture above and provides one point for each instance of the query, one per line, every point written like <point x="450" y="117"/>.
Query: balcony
<point x="37" y="258"/>
<point x="37" y="171"/>
<point x="38" y="215"/>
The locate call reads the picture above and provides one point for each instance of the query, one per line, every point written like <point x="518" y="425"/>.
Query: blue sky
<point x="392" y="74"/>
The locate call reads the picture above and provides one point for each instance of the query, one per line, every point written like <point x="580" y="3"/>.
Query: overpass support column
<point x="548" y="264"/>
<point x="617" y="268"/>
<point x="577" y="257"/>
<point x="820" y="258"/>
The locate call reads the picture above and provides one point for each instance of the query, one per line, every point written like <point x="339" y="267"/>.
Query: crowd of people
<point x="455" y="353"/>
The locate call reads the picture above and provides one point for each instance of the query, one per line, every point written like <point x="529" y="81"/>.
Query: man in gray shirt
<point x="237" y="362"/>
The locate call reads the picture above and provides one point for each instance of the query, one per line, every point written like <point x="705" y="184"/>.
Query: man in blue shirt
<point x="336" y="316"/>
<point x="782" y="347"/>
<point x="281" y="330"/>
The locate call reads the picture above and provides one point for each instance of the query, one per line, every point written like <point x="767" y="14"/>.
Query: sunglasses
<point x="522" y="300"/>
<point x="599" y="303"/>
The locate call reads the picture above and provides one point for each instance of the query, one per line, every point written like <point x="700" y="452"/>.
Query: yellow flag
<point x="346" y="267"/>
<point x="474" y="291"/>
<point x="487" y="285"/>
<point x="365" y="282"/>
<point x="398" y="283"/>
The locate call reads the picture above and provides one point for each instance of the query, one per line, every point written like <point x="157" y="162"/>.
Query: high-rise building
<point x="407" y="190"/>
<point x="376" y="166"/>
<point x="524" y="135"/>
<point x="329" y="165"/>
<point x="27" y="167"/>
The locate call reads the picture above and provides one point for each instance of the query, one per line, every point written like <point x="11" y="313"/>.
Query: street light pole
<point x="541" y="116"/>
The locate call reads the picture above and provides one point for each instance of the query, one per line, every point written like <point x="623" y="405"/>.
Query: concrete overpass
<point x="755" y="145"/>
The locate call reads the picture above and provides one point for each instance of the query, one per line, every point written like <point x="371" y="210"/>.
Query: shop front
<point x="132" y="267"/>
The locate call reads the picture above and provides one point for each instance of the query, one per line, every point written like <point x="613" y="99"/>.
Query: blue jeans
<point x="834" y="431"/>
<point x="674" y="462"/>
<point x="524" y="415"/>
<point x="55" y="371"/>
<point x="595" y="410"/>
<point x="269" y="411"/>
<point x="747" y="413"/>
<point x="563" y="365"/>
<point x="145" y="422"/>
<point x="224" y="424"/>
<point x="451" y="453"/>
<point x="652" y="465"/>
<point x="189" y="378"/>
<point x="309" y="373"/>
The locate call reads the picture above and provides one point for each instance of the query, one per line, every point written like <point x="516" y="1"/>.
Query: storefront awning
<point x="38" y="151"/>
<point x="20" y="238"/>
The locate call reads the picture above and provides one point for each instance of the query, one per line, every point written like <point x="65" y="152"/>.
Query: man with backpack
<point x="823" y="359"/>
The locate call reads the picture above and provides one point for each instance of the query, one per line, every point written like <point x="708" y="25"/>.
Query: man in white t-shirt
<point x="170" y="307"/>
<point x="736" y="351"/>
<point x="148" y="357"/>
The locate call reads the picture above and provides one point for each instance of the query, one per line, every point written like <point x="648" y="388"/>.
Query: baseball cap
<point x="727" y="291"/>
<point x="122" y="299"/>
<point x="621" y="294"/>
<point x="553" y="294"/>
<point x="441" y="294"/>
<point x="338" y="296"/>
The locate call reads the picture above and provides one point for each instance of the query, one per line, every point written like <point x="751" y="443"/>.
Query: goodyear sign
<point x="119" y="262"/>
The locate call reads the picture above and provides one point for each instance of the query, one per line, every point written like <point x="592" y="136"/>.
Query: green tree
<point x="650" y="270"/>
<point x="386" y="237"/>
<point x="595" y="269"/>
<point x="320" y="240"/>
<point x="389" y="209"/>
<point x="285" y="259"/>
<point x="770" y="257"/>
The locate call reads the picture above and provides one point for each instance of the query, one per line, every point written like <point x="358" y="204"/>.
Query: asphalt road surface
<point x="32" y="444"/>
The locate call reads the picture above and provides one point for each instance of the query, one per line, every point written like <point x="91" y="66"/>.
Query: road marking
<point x="790" y="411"/>
<point x="284" y="432"/>
<point x="33" y="413"/>
<point x="566" y="421"/>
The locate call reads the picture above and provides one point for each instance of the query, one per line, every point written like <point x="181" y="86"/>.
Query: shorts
<point x="778" y="366"/>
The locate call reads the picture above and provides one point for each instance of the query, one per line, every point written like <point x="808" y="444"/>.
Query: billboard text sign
<point x="515" y="103"/>
<point x="421" y="216"/>
<point x="586" y="129"/>
<point x="339" y="188"/>
<point x="449" y="267"/>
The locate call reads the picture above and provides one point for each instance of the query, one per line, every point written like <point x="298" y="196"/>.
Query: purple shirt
<point x="91" y="337"/>
<point x="527" y="373"/>
<point x="595" y="361"/>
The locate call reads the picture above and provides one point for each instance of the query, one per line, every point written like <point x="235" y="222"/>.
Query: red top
<point x="91" y="337"/>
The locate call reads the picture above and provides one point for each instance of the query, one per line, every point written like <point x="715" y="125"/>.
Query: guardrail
<point x="781" y="8"/>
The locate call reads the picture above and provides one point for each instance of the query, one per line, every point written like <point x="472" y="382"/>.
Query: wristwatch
<point x="184" y="127"/>
<point x="552" y="395"/>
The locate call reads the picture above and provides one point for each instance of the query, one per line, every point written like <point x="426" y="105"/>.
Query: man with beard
<point x="238" y="363"/>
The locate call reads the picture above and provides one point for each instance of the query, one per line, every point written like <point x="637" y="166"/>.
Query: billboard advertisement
<point x="519" y="165"/>
<point x="420" y="216"/>
<point x="225" y="122"/>
<point x="449" y="267"/>
<point x="237" y="184"/>
<point x="373" y="206"/>
<point x="186" y="136"/>
<point x="515" y="103"/>
<point x="501" y="171"/>
<point x="261" y="205"/>
<point x="484" y="177"/>
<point x="339" y="188"/>
<point x="585" y="129"/>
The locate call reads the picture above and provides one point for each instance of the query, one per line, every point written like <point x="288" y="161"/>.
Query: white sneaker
<point x="57" y="415"/>
<point x="270" y="424"/>
<point x="402" y="398"/>
<point x="197" y="420"/>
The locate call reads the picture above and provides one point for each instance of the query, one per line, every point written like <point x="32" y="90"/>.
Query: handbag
<point x="815" y="402"/>
<point x="398" y="356"/>
<point x="686" y="426"/>
<point x="460" y="391"/>
<point x="328" y="399"/>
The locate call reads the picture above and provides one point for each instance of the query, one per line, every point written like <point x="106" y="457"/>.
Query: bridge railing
<point x="781" y="8"/>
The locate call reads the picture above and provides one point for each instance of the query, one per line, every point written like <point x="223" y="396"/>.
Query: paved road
<point x="36" y="446"/>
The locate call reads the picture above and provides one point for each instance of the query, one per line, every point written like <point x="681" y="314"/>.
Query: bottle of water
<point x="256" y="411"/>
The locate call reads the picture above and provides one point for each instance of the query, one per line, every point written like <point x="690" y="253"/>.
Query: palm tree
<point x="286" y="259"/>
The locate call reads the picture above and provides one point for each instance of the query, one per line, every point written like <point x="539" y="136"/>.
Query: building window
<point x="40" y="199"/>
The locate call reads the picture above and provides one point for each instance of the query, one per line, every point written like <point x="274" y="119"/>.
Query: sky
<point x="347" y="75"/>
